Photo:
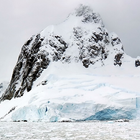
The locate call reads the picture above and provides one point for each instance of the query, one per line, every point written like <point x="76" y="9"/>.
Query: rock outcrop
<point x="137" y="63"/>
<point x="3" y="87"/>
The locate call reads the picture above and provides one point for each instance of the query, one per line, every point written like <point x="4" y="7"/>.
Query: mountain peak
<point x="83" y="10"/>
<point x="88" y="15"/>
<point x="82" y="39"/>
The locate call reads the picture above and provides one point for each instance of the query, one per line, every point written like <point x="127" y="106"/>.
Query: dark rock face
<point x="92" y="49"/>
<point x="115" y="41"/>
<point x="3" y="87"/>
<point x="118" y="47"/>
<point x="117" y="59"/>
<point x="88" y="15"/>
<point x="137" y="63"/>
<point x="31" y="62"/>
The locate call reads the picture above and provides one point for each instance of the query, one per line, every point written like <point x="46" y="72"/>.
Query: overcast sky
<point x="20" y="19"/>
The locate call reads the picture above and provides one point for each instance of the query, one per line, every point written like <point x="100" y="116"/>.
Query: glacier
<point x="93" y="94"/>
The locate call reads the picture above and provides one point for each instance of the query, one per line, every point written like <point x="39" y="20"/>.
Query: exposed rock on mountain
<point x="3" y="87"/>
<point x="81" y="38"/>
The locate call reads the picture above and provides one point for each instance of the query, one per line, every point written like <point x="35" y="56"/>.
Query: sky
<point x="20" y="19"/>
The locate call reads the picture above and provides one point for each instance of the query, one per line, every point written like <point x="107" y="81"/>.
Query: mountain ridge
<point x="82" y="37"/>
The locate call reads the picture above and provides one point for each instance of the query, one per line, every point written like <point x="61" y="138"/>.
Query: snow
<point x="77" y="93"/>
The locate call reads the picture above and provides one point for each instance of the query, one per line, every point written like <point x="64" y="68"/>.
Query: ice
<point x="70" y="131"/>
<point x="76" y="93"/>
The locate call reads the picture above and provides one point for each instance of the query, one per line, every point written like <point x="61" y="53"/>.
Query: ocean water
<point x="70" y="130"/>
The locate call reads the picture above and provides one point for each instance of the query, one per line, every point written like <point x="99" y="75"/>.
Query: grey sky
<point x="20" y="19"/>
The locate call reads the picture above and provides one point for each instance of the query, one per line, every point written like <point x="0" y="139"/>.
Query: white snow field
<point x="75" y="93"/>
<point x="70" y="131"/>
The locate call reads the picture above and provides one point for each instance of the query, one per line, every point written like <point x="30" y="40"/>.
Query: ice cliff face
<point x="81" y="38"/>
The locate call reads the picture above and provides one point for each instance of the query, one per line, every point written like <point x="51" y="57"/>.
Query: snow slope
<point x="101" y="93"/>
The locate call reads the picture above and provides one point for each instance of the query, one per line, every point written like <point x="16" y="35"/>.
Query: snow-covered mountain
<point x="75" y="70"/>
<point x="81" y="38"/>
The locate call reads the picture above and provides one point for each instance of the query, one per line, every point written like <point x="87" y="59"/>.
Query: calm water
<point x="70" y="131"/>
